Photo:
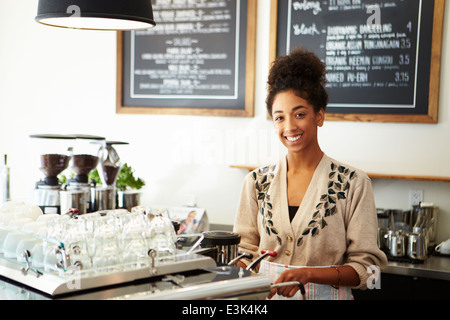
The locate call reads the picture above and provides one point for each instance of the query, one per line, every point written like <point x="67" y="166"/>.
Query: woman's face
<point x="296" y="121"/>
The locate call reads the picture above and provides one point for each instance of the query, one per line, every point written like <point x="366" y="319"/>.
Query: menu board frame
<point x="190" y="105"/>
<point x="378" y="115"/>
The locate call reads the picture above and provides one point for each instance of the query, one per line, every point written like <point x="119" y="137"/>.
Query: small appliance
<point x="85" y="158"/>
<point x="104" y="197"/>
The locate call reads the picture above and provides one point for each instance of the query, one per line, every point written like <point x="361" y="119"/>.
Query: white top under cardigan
<point x="336" y="223"/>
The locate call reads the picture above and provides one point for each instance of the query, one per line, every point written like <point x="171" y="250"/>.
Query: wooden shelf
<point x="408" y="177"/>
<point x="376" y="175"/>
<point x="249" y="168"/>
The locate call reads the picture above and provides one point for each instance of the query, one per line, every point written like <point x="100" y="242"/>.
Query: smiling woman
<point x="318" y="214"/>
<point x="296" y="123"/>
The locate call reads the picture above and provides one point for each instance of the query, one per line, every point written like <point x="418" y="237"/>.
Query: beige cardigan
<point x="336" y="223"/>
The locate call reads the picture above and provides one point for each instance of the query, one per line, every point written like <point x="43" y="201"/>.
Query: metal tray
<point x="55" y="284"/>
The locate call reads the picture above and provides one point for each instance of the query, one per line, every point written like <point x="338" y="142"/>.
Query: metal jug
<point x="417" y="246"/>
<point x="398" y="245"/>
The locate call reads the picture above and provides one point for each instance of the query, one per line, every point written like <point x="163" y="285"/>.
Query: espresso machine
<point x="85" y="158"/>
<point x="54" y="153"/>
<point x="104" y="197"/>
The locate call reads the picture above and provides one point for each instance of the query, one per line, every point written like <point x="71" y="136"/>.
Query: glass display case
<point x="60" y="254"/>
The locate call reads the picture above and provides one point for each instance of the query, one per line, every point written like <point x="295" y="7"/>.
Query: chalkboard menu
<point x="382" y="57"/>
<point x="199" y="59"/>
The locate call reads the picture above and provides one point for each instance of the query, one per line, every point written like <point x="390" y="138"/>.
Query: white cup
<point x="11" y="242"/>
<point x="26" y="244"/>
<point x="5" y="219"/>
<point x="28" y="211"/>
<point x="48" y="216"/>
<point x="443" y="247"/>
<point x="19" y="223"/>
<point x="3" y="234"/>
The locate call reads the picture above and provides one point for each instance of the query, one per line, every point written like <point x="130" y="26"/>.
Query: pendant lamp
<point x="96" y="14"/>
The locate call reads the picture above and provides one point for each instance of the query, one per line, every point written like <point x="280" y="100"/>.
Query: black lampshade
<point x="96" y="14"/>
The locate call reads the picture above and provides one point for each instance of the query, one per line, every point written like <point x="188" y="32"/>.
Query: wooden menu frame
<point x="246" y="110"/>
<point x="434" y="74"/>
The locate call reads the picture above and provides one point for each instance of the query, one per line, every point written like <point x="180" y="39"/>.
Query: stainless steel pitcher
<point x="398" y="245"/>
<point x="417" y="246"/>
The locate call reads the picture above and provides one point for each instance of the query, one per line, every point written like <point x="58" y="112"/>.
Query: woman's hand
<point x="300" y="275"/>
<point x="335" y="276"/>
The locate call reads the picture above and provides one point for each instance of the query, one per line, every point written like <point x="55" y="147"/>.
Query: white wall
<point x="64" y="81"/>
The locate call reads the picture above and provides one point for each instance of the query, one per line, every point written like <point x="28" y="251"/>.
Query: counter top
<point x="434" y="267"/>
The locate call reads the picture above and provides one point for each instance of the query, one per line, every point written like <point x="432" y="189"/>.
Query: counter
<point x="412" y="281"/>
<point x="435" y="267"/>
<point x="223" y="282"/>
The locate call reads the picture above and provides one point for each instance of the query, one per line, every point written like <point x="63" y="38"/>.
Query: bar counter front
<point x="185" y="277"/>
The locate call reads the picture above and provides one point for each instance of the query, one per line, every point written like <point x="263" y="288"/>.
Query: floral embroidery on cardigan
<point x="263" y="178"/>
<point x="338" y="187"/>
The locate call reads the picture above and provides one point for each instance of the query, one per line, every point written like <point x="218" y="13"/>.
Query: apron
<point x="313" y="291"/>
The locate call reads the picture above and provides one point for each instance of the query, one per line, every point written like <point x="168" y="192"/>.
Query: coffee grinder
<point x="85" y="158"/>
<point x="104" y="197"/>
<point x="54" y="156"/>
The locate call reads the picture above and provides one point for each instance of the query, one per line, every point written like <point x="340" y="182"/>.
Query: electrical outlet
<point x="415" y="197"/>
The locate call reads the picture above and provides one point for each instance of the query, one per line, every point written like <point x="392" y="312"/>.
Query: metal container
<point x="225" y="244"/>
<point x="383" y="219"/>
<point x="103" y="198"/>
<point x="74" y="199"/>
<point x="417" y="246"/>
<point x="128" y="199"/>
<point x="425" y="216"/>
<point x="398" y="245"/>
<point x="399" y="219"/>
<point x="382" y="238"/>
<point x="388" y="239"/>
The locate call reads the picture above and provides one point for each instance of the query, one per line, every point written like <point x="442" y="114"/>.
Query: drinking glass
<point x="37" y="255"/>
<point x="76" y="243"/>
<point x="107" y="253"/>
<point x="55" y="227"/>
<point x="134" y="239"/>
<point x="47" y="216"/>
<point x="163" y="237"/>
<point x="11" y="242"/>
<point x="55" y="234"/>
<point x="50" y="260"/>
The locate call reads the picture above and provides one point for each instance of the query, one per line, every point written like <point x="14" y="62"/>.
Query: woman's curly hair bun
<point x="301" y="71"/>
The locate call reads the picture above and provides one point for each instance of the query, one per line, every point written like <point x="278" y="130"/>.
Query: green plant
<point x="125" y="178"/>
